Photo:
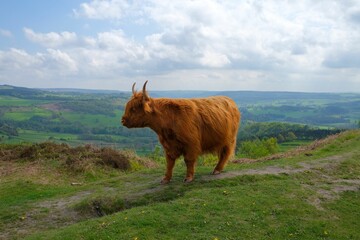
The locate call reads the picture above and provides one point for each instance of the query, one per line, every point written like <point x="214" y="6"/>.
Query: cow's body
<point x="188" y="127"/>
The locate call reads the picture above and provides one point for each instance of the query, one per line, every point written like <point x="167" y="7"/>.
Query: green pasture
<point x="37" y="136"/>
<point x="22" y="114"/>
<point x="93" y="120"/>
<point x="9" y="101"/>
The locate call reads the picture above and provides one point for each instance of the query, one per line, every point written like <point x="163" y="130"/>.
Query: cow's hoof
<point x="216" y="172"/>
<point x="188" y="180"/>
<point x="164" y="181"/>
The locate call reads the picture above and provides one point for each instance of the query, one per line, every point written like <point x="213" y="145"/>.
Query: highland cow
<point x="186" y="127"/>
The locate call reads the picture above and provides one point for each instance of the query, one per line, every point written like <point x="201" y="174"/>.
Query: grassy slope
<point x="312" y="196"/>
<point x="285" y="146"/>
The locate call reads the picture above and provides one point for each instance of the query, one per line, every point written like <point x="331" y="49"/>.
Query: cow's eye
<point x="133" y="109"/>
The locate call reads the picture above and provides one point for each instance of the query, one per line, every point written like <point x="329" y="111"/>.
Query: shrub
<point x="78" y="159"/>
<point x="114" y="158"/>
<point x="157" y="155"/>
<point x="259" y="148"/>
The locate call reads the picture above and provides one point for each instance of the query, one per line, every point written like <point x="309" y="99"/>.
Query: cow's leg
<point x="170" y="163"/>
<point x="190" y="160"/>
<point x="190" y="169"/>
<point x="224" y="156"/>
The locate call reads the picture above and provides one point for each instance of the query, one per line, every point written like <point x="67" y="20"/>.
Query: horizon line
<point x="173" y="90"/>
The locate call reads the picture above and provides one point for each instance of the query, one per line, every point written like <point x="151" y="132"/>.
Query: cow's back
<point x="219" y="120"/>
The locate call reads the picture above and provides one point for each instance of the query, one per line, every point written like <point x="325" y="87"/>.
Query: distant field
<point x="9" y="101"/>
<point x="26" y="113"/>
<point x="80" y="116"/>
<point x="94" y="120"/>
<point x="37" y="136"/>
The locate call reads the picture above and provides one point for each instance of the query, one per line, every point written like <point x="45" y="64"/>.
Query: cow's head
<point x="138" y="109"/>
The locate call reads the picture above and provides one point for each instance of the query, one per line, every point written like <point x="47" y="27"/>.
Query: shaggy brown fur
<point x="188" y="127"/>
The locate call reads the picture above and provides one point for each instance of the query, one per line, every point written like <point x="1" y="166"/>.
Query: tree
<point x="290" y="136"/>
<point x="8" y="130"/>
<point x="280" y="138"/>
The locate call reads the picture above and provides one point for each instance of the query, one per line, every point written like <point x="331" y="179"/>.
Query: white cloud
<point x="51" y="39"/>
<point x="17" y="59"/>
<point x="213" y="59"/>
<point x="99" y="9"/>
<point x="23" y="66"/>
<point x="264" y="45"/>
<point x="60" y="61"/>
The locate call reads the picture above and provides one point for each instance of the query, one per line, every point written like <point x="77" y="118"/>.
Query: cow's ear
<point x="147" y="107"/>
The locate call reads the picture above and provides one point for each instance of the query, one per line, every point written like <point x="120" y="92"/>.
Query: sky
<point x="264" y="45"/>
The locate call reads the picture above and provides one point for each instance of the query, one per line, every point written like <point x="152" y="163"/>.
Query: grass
<point x="246" y="208"/>
<point x="9" y="101"/>
<point x="94" y="120"/>
<point x="38" y="136"/>
<point x="26" y="114"/>
<point x="17" y="196"/>
<point x="133" y="205"/>
<point x="38" y="178"/>
<point x="225" y="214"/>
<point x="286" y="146"/>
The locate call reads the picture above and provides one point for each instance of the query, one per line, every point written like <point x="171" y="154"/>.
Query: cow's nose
<point x="123" y="121"/>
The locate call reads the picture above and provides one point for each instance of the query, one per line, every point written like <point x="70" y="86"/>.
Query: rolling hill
<point x="311" y="193"/>
<point x="77" y="116"/>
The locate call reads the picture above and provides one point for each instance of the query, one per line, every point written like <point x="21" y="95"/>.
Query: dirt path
<point x="304" y="166"/>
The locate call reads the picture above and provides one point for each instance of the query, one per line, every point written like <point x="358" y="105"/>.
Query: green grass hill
<point x="53" y="191"/>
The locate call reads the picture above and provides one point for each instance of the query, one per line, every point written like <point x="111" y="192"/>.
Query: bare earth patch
<point x="332" y="191"/>
<point x="304" y="166"/>
<point x="46" y="215"/>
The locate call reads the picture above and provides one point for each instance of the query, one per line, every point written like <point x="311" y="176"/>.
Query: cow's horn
<point x="133" y="88"/>
<point x="145" y="96"/>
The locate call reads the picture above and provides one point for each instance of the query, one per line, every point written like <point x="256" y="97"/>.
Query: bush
<point x="259" y="148"/>
<point x="157" y="155"/>
<point x="114" y="158"/>
<point x="78" y="159"/>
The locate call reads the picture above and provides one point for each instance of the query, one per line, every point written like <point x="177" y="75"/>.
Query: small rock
<point x="76" y="184"/>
